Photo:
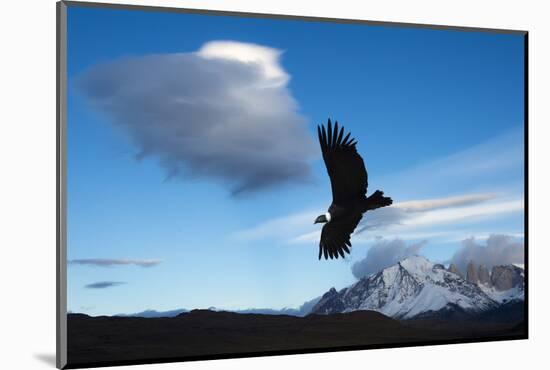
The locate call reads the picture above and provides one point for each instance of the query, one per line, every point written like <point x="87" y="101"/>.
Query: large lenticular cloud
<point x="223" y="112"/>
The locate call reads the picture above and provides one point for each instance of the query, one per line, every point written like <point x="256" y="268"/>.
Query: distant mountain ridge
<point x="303" y="310"/>
<point x="154" y="313"/>
<point x="417" y="288"/>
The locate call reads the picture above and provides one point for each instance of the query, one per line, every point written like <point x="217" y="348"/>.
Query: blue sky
<point x="438" y="116"/>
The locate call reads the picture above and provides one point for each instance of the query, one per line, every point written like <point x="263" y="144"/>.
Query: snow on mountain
<point x="512" y="294"/>
<point x="413" y="287"/>
<point x="505" y="283"/>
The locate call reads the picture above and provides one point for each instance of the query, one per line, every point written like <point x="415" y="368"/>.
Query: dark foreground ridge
<point x="93" y="340"/>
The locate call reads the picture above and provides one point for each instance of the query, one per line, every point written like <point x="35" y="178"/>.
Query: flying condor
<point x="348" y="179"/>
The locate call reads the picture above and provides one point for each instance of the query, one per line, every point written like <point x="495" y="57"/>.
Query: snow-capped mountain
<point x="412" y="288"/>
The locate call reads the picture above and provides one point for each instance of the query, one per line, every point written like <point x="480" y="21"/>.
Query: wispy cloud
<point x="413" y="219"/>
<point x="277" y="227"/>
<point x="453" y="201"/>
<point x="109" y="262"/>
<point x="103" y="284"/>
<point x="403" y="218"/>
<point x="223" y="113"/>
<point x="468" y="214"/>
<point x="314" y="236"/>
<point x="412" y="212"/>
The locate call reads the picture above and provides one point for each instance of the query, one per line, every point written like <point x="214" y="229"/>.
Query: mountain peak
<point x="332" y="291"/>
<point x="416" y="264"/>
<point x="471" y="273"/>
<point x="414" y="287"/>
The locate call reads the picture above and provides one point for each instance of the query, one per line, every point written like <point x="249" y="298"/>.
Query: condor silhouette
<point x="348" y="178"/>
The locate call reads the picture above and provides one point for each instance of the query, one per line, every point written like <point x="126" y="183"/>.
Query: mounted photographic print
<point x="234" y="184"/>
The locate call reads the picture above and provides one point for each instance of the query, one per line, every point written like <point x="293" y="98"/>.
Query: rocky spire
<point x="471" y="273"/>
<point x="483" y="275"/>
<point x="506" y="277"/>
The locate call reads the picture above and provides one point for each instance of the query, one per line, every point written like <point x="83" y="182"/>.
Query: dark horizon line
<point x="185" y="310"/>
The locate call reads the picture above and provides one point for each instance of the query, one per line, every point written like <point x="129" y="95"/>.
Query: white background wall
<point x="27" y="182"/>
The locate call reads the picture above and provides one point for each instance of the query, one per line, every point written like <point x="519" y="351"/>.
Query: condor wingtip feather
<point x="332" y="136"/>
<point x="329" y="134"/>
<point x="339" y="140"/>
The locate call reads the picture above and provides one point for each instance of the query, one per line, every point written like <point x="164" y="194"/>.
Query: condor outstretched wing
<point x="335" y="237"/>
<point x="345" y="167"/>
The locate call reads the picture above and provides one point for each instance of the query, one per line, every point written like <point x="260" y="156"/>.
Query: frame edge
<point x="526" y="177"/>
<point x="61" y="235"/>
<point x="215" y="12"/>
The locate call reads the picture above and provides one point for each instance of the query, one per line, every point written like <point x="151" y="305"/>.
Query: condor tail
<point x="377" y="200"/>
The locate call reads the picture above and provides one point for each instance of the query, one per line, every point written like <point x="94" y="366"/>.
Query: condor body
<point x="349" y="182"/>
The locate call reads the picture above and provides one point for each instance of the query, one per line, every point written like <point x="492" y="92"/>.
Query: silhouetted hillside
<point x="94" y="340"/>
